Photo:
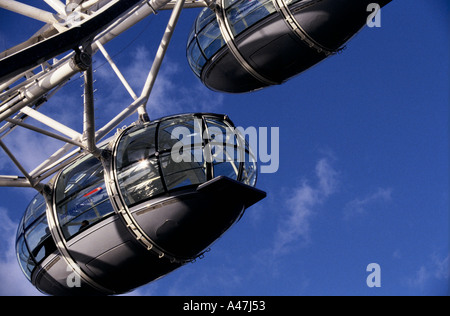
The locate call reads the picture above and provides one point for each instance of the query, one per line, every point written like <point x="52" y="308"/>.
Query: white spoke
<point x="51" y="123"/>
<point x="29" y="11"/>
<point x="57" y="5"/>
<point x="116" y="70"/>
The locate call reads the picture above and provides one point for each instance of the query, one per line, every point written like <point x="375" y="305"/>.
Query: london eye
<point x="114" y="211"/>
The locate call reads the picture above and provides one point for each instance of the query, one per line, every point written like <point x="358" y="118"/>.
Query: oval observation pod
<point x="245" y="45"/>
<point x="161" y="194"/>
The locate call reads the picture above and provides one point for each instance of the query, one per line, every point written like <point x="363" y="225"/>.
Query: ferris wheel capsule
<point x="245" y="45"/>
<point x="161" y="194"/>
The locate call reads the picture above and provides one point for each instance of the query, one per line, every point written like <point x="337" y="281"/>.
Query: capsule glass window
<point x="243" y="13"/>
<point x="249" y="172"/>
<point x="226" y="155"/>
<point x="205" y="17"/>
<point x="195" y="58"/>
<point x="137" y="166"/>
<point x="181" y="142"/>
<point x="210" y="39"/>
<point x="204" y="41"/>
<point x="81" y="197"/>
<point x="34" y="210"/>
<point x="26" y="262"/>
<point x="39" y="239"/>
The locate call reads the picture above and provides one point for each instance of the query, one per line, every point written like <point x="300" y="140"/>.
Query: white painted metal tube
<point x="16" y="162"/>
<point x="162" y="49"/>
<point x="43" y="85"/>
<point x="28" y="10"/>
<point x="14" y="181"/>
<point x="116" y="70"/>
<point x="57" y="5"/>
<point x="51" y="123"/>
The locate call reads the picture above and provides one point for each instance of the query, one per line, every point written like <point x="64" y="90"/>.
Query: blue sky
<point x="363" y="162"/>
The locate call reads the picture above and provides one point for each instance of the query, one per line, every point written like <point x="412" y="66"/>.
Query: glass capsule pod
<point x="245" y="45"/>
<point x="160" y="195"/>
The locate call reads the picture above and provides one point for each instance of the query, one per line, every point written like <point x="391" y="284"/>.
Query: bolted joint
<point x="144" y="118"/>
<point x="212" y="4"/>
<point x="81" y="60"/>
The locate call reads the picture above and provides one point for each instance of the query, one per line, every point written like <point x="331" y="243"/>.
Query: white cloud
<point x="440" y="267"/>
<point x="436" y="269"/>
<point x="167" y="96"/>
<point x="302" y="206"/>
<point x="360" y="206"/>
<point x="29" y="148"/>
<point x="12" y="280"/>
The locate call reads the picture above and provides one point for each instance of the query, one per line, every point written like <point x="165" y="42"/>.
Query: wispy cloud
<point x="302" y="206"/>
<point x="169" y="95"/>
<point x="12" y="280"/>
<point x="360" y="206"/>
<point x="29" y="148"/>
<point x="437" y="268"/>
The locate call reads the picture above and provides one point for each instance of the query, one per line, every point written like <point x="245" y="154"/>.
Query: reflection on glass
<point x="205" y="40"/>
<point x="39" y="240"/>
<point x="249" y="171"/>
<point x="140" y="181"/>
<point x="224" y="149"/>
<point x="26" y="262"/>
<point x="243" y="14"/>
<point x="178" y="152"/>
<point x="34" y="241"/>
<point x="81" y="196"/>
<point x="34" y="210"/>
<point x="195" y="58"/>
<point x="180" y="174"/>
<point x="205" y="17"/>
<point x="210" y="39"/>
<point x="136" y="146"/>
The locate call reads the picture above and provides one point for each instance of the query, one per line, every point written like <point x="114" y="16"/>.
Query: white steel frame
<point x="21" y="99"/>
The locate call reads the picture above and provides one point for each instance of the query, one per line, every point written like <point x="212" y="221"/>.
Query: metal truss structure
<point x="30" y="74"/>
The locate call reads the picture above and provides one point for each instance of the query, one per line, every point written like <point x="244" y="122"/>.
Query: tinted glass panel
<point x="188" y="130"/>
<point x="249" y="172"/>
<point x="25" y="261"/>
<point x="81" y="196"/>
<point x="244" y="13"/>
<point x="136" y="146"/>
<point x="195" y="58"/>
<point x="184" y="164"/>
<point x="40" y="240"/>
<point x="140" y="181"/>
<point x="183" y="173"/>
<point x="206" y="16"/>
<point x="210" y="39"/>
<point x="225" y="152"/>
<point x="35" y="209"/>
<point x="137" y="166"/>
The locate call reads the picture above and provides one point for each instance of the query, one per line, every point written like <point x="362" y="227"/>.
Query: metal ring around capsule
<point x="293" y="24"/>
<point x="227" y="34"/>
<point x="121" y="208"/>
<point x="60" y="242"/>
